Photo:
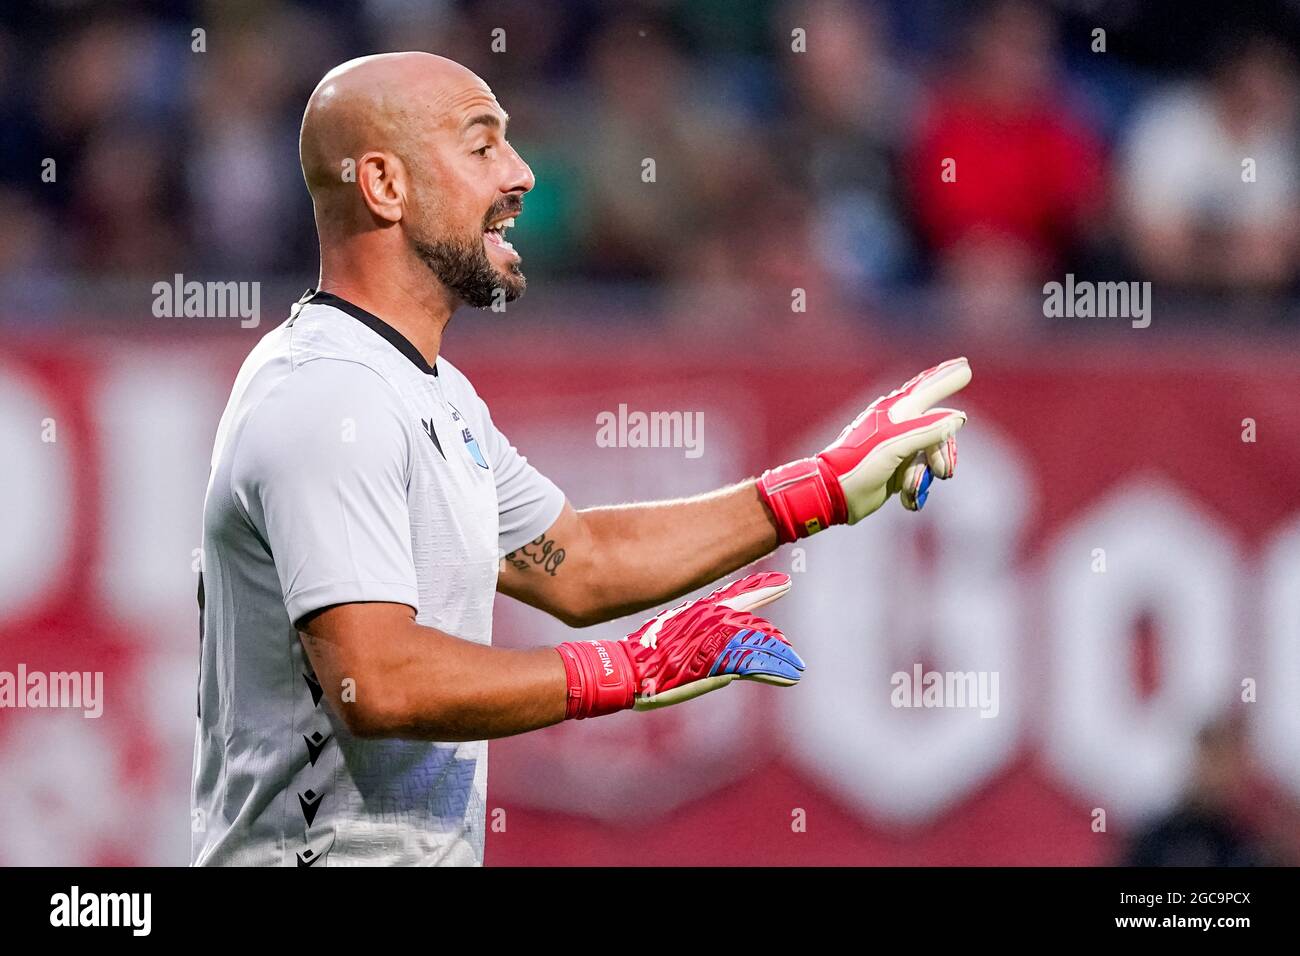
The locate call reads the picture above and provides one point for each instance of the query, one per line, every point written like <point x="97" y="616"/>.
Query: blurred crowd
<point x="1227" y="815"/>
<point x="856" y="150"/>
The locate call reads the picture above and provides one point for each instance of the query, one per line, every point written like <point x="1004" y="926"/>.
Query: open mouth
<point x="495" y="234"/>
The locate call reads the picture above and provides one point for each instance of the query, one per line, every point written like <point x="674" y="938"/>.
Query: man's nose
<point x="520" y="178"/>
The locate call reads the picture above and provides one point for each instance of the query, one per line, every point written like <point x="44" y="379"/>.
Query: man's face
<point x="468" y="186"/>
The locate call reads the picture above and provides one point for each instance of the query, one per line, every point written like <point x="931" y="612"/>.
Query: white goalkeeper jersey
<point x="346" y="468"/>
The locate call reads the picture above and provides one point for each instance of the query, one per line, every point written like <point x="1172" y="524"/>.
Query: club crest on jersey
<point x="475" y="452"/>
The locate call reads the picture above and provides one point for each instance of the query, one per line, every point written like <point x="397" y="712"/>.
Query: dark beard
<point x="466" y="270"/>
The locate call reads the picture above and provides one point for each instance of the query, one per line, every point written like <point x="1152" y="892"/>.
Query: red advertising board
<point x="1121" y="548"/>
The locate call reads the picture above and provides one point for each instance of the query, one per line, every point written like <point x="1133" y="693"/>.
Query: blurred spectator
<point x="1207" y="827"/>
<point x="106" y="110"/>
<point x="643" y="114"/>
<point x="125" y="221"/>
<point x="243" y="170"/>
<point x="23" y="250"/>
<point x="1209" y="176"/>
<point x="850" y="105"/>
<point x="1024" y="172"/>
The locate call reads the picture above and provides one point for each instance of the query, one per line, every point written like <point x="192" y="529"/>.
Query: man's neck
<point x="416" y="306"/>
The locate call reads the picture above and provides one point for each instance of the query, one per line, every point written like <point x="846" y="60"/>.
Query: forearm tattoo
<point x="541" y="552"/>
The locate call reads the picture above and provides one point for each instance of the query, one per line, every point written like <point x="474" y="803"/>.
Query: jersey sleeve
<point x="527" y="501"/>
<point x="321" y="471"/>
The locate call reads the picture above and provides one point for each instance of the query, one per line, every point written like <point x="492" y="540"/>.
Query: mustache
<point x="506" y="206"/>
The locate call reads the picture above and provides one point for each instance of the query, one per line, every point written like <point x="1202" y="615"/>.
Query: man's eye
<point x="482" y="150"/>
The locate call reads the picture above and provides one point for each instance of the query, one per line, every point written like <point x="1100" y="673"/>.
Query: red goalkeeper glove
<point x="694" y="648"/>
<point x="897" y="444"/>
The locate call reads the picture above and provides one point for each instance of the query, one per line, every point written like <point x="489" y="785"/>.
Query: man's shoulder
<point x="304" y="354"/>
<point x="317" y="331"/>
<point x="320" y="416"/>
<point x="301" y="379"/>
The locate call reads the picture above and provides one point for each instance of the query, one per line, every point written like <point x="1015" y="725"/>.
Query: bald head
<point x="381" y="103"/>
<point x="407" y="152"/>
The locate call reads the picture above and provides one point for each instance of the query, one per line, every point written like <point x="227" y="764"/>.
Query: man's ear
<point x="381" y="177"/>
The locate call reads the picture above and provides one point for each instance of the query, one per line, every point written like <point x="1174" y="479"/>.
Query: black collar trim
<point x="395" y="338"/>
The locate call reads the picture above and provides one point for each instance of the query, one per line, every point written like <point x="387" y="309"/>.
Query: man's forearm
<point x="602" y="563"/>
<point x="404" y="680"/>
<point x="641" y="555"/>
<point x="387" y="676"/>
<point x="482" y="693"/>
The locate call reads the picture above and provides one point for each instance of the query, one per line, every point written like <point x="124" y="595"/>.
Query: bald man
<point x="361" y="499"/>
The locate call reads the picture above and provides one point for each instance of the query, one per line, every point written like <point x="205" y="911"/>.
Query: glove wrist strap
<point x="600" y="677"/>
<point x="804" y="496"/>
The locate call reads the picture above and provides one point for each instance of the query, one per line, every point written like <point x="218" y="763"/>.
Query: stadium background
<point x="775" y="171"/>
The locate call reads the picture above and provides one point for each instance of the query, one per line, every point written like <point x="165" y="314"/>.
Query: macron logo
<point x="433" y="435"/>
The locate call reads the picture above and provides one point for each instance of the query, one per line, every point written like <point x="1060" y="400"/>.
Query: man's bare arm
<point x="419" y="683"/>
<point x="602" y="563"/>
